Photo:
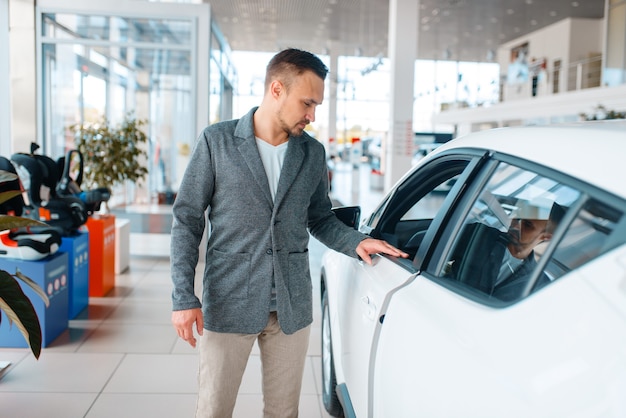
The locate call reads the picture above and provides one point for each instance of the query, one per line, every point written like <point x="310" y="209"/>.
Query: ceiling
<point x="464" y="30"/>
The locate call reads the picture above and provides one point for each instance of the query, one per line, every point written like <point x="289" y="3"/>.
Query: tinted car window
<point x="505" y="234"/>
<point x="593" y="232"/>
<point x="405" y="218"/>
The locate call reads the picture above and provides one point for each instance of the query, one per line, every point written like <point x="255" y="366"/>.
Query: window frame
<point x="446" y="233"/>
<point x="422" y="181"/>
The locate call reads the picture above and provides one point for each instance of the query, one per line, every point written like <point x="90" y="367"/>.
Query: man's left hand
<point x="375" y="246"/>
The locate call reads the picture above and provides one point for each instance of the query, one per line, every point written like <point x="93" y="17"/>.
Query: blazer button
<point x="269" y="251"/>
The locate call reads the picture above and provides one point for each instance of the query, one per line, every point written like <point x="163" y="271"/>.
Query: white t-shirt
<point x="273" y="158"/>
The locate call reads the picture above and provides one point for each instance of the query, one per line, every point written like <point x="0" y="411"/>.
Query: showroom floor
<point x="121" y="357"/>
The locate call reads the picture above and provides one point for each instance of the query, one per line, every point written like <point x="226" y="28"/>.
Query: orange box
<point x="101" y="254"/>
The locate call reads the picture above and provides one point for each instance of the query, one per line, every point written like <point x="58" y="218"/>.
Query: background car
<point x="441" y="334"/>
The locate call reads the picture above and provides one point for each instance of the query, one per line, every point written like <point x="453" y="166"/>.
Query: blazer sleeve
<point x="324" y="225"/>
<point x="192" y="201"/>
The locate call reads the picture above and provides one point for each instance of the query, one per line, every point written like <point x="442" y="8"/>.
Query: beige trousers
<point x="223" y="360"/>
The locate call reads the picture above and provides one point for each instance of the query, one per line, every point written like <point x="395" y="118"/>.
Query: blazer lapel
<point x="251" y="156"/>
<point x="244" y="134"/>
<point x="291" y="167"/>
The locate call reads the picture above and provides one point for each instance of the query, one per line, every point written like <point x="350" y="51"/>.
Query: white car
<point x="513" y="300"/>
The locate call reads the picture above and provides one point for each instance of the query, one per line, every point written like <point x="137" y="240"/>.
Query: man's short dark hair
<point x="556" y="216"/>
<point x="293" y="62"/>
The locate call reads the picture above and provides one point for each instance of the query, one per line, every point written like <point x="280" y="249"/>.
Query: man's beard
<point x="292" y="131"/>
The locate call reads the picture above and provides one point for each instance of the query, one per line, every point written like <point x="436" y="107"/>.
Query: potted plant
<point x="112" y="154"/>
<point x="13" y="302"/>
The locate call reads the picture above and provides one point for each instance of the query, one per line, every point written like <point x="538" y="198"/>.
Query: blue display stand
<point x="51" y="274"/>
<point x="77" y="249"/>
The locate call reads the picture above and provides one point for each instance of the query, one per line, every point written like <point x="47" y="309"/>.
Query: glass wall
<point x="98" y="66"/>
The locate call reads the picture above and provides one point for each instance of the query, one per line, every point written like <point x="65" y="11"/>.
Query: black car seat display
<point x="28" y="243"/>
<point x="71" y="178"/>
<point x="67" y="213"/>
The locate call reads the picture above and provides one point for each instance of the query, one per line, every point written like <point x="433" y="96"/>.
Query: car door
<point x="450" y="345"/>
<point x="363" y="294"/>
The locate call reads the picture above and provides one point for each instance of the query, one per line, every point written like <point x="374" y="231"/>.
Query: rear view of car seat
<point x="70" y="169"/>
<point x="67" y="213"/>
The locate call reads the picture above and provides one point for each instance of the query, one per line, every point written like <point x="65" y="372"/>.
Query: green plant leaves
<point x="11" y="222"/>
<point x="20" y="311"/>
<point x="13" y="301"/>
<point x="112" y="155"/>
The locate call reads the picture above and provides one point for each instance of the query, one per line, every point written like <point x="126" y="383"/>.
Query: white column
<point x="403" y="32"/>
<point x="332" y="96"/>
<point x="5" y="84"/>
<point x="23" y="78"/>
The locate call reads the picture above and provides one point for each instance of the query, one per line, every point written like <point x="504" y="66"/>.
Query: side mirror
<point x="349" y="215"/>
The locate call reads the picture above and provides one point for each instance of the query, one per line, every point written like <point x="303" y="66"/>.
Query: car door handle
<point x="375" y="259"/>
<point x="370" y="307"/>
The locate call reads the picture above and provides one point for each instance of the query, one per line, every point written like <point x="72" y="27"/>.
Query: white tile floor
<point x="121" y="357"/>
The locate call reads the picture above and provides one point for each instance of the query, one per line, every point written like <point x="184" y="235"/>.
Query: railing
<point x="583" y="74"/>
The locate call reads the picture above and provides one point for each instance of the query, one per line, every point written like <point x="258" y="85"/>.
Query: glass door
<point x="109" y="61"/>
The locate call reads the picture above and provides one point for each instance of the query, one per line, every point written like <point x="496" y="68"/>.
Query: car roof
<point x="594" y="152"/>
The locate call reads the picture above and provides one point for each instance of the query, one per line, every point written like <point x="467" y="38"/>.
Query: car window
<point x="405" y="218"/>
<point x="592" y="233"/>
<point x="502" y="240"/>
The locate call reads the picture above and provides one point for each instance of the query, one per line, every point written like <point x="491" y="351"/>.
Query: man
<point x="501" y="263"/>
<point x="264" y="183"/>
<point x="531" y="225"/>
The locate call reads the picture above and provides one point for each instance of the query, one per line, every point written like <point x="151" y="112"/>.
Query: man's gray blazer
<point x="253" y="240"/>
